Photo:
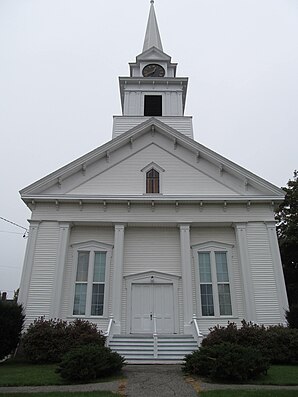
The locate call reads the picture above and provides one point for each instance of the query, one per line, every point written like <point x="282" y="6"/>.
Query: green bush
<point x="227" y="362"/>
<point x="46" y="341"/>
<point x="279" y="344"/>
<point x="89" y="362"/>
<point x="11" y="325"/>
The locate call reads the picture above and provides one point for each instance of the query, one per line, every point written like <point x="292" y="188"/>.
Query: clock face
<point x="153" y="70"/>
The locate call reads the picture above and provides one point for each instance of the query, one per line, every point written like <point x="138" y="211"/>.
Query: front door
<point x="149" y="300"/>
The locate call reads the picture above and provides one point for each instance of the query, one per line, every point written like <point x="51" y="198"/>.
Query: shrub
<point x="46" y="341"/>
<point x="11" y="325"/>
<point x="282" y="345"/>
<point x="89" y="362"/>
<point x="227" y="362"/>
<point x="279" y="344"/>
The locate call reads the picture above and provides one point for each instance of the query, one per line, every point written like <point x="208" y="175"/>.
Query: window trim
<point x="92" y="246"/>
<point x="212" y="247"/>
<point x="157" y="168"/>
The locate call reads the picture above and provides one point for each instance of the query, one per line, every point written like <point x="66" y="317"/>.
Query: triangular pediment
<point x="153" y="54"/>
<point x="115" y="170"/>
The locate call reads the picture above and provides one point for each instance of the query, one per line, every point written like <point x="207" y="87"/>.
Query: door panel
<point x="150" y="299"/>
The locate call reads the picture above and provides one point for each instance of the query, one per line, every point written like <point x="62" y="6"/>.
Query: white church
<point x="152" y="236"/>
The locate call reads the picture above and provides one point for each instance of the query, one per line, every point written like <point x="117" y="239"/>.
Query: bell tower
<point x="153" y="89"/>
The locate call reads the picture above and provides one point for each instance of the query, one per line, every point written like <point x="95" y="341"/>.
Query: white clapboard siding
<point x="263" y="276"/>
<point x="43" y="270"/>
<point x="151" y="248"/>
<point x="182" y="124"/>
<point x="127" y="177"/>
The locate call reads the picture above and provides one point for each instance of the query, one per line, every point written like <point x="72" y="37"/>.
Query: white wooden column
<point x="118" y="276"/>
<point x="186" y="277"/>
<point x="249" y="300"/>
<point x="64" y="233"/>
<point x="277" y="266"/>
<point x="28" y="263"/>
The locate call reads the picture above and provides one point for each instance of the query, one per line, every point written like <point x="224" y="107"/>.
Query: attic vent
<point x="152" y="181"/>
<point x="153" y="105"/>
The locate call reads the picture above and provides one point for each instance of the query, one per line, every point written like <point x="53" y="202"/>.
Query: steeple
<point x="152" y="36"/>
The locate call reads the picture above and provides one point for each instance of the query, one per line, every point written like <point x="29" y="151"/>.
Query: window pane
<point x="99" y="272"/>
<point x="221" y="267"/>
<point x="82" y="269"/>
<point x="205" y="267"/>
<point x="79" y="305"/>
<point x="224" y="296"/>
<point x="207" y="300"/>
<point x="97" y="299"/>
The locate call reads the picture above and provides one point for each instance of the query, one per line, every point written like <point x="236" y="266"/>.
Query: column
<point x="64" y="233"/>
<point x="28" y="263"/>
<point x="186" y="277"/>
<point x="249" y="301"/>
<point x="118" y="276"/>
<point x="277" y="267"/>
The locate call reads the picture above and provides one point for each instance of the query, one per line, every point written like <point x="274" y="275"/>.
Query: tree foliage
<point x="11" y="325"/>
<point x="287" y="232"/>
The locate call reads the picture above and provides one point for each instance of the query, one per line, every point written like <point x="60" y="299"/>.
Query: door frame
<point x="151" y="277"/>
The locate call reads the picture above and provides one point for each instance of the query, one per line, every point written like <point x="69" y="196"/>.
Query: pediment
<point x="153" y="53"/>
<point x="115" y="170"/>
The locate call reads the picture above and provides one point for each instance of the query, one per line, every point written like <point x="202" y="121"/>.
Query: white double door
<point x="149" y="300"/>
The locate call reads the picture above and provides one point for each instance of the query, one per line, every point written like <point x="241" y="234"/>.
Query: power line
<point x="15" y="224"/>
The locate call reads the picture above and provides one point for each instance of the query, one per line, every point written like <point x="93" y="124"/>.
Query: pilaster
<point x="118" y="276"/>
<point x="64" y="233"/>
<point x="28" y="263"/>
<point x="186" y="277"/>
<point x="277" y="267"/>
<point x="249" y="301"/>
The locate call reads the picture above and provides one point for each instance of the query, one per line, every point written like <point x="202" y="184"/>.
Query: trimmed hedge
<point x="279" y="344"/>
<point x="11" y="325"/>
<point x="46" y="341"/>
<point x="89" y="362"/>
<point x="227" y="362"/>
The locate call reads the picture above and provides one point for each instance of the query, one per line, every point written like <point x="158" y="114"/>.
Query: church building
<point x="152" y="236"/>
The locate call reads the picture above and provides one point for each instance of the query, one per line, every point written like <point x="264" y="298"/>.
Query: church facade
<point x="153" y="234"/>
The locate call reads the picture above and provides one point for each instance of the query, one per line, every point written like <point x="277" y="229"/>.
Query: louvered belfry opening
<point x="152" y="181"/>
<point x="153" y="105"/>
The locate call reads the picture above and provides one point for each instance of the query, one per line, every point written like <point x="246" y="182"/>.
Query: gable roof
<point x="246" y="185"/>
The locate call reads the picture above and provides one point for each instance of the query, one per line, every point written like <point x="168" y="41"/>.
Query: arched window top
<point x="152" y="181"/>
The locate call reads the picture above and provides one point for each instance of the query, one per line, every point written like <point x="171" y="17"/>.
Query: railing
<point x="108" y="334"/>
<point x="197" y="333"/>
<point x="155" y="336"/>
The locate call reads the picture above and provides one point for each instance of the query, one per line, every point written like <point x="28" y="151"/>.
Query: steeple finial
<point x="152" y="36"/>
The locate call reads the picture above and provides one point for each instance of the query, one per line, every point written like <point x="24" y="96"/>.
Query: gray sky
<point x="59" y="67"/>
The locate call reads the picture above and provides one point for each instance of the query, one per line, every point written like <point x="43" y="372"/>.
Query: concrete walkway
<point x="157" y="381"/>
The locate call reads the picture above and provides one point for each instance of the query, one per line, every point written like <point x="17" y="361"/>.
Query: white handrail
<point x="196" y="326"/>
<point x="108" y="332"/>
<point x="155" y="337"/>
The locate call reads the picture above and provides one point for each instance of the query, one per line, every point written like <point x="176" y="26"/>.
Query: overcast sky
<point x="59" y="67"/>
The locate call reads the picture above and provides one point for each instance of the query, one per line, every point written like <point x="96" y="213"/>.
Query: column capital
<point x="240" y="225"/>
<point x="184" y="227"/>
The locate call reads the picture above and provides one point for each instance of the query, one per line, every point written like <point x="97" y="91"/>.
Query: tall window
<point x="214" y="283"/>
<point x="153" y="105"/>
<point x="152" y="181"/>
<point x="90" y="283"/>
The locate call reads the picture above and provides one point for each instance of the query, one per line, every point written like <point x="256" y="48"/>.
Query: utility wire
<point x="15" y="224"/>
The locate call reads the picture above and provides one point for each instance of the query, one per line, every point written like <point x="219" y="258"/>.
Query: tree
<point x="287" y="232"/>
<point x="11" y="325"/>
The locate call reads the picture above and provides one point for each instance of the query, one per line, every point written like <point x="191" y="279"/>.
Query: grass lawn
<point x="280" y="375"/>
<point x="249" y="393"/>
<point x="61" y="394"/>
<point x="23" y="374"/>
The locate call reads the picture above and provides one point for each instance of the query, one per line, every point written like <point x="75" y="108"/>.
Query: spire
<point x="152" y="36"/>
